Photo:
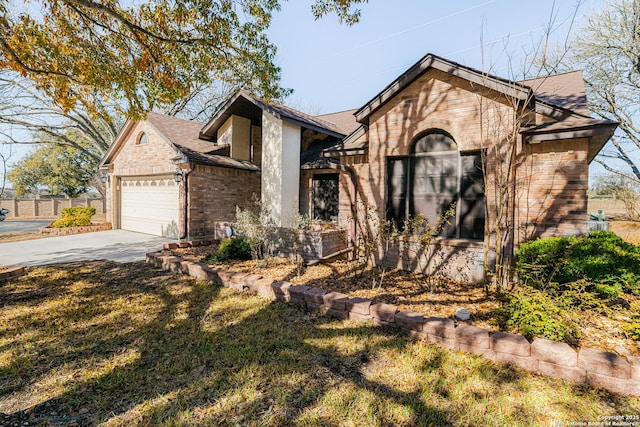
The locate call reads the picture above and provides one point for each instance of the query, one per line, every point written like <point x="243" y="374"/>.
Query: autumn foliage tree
<point x="77" y="51"/>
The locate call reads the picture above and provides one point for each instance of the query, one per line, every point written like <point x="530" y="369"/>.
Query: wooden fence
<point x="47" y="208"/>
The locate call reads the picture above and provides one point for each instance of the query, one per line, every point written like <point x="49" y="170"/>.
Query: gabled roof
<point x="561" y="97"/>
<point x="246" y="104"/>
<point x="183" y="136"/>
<point x="430" y="61"/>
<point x="181" y="132"/>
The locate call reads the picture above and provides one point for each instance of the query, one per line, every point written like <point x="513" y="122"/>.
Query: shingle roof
<point x="246" y="99"/>
<point x="561" y="97"/>
<point x="345" y="121"/>
<point x="181" y="132"/>
<point x="564" y="90"/>
<point x="184" y="135"/>
<point x="218" y="160"/>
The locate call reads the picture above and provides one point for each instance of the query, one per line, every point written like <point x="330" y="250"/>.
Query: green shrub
<point x="232" y="248"/>
<point x="578" y="295"/>
<point x="609" y="263"/>
<point x="533" y="313"/>
<point x="601" y="255"/>
<point x="630" y="283"/>
<point x="633" y="328"/>
<point x="610" y="290"/>
<point x="78" y="216"/>
<point x="539" y="261"/>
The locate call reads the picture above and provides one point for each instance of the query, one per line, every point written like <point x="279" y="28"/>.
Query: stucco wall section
<point x="281" y="171"/>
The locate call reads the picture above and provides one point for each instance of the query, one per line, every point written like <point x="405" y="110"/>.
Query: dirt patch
<point x="415" y="292"/>
<point x="19" y="237"/>
<point x="628" y="230"/>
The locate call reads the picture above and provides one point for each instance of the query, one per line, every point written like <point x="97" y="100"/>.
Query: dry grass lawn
<point x="101" y="343"/>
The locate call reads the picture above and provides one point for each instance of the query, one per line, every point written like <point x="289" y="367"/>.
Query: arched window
<point x="434" y="177"/>
<point x="142" y="138"/>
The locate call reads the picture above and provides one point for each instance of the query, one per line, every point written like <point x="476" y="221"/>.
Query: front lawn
<point x="126" y="344"/>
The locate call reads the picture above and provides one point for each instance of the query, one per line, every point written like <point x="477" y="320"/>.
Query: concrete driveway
<point x="113" y="245"/>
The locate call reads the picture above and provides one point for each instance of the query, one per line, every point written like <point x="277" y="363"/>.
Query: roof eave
<point x="333" y="154"/>
<point x="220" y="117"/>
<point x="598" y="135"/>
<point x="219" y="114"/>
<point x="124" y="130"/>
<point x="606" y="128"/>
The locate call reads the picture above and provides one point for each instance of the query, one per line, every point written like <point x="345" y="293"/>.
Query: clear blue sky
<point x="333" y="67"/>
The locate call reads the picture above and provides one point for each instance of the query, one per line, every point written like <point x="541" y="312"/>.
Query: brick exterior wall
<point x="554" y="179"/>
<point x="132" y="159"/>
<point x="551" y="177"/>
<point x="214" y="193"/>
<point x="152" y="158"/>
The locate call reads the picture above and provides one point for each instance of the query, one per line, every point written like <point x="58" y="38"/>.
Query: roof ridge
<point x="295" y="110"/>
<point x="337" y="112"/>
<point x="550" y="75"/>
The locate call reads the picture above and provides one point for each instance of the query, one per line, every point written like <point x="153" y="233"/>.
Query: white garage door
<point x="150" y="205"/>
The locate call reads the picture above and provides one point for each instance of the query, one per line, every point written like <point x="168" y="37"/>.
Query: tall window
<point x="434" y="177"/>
<point x="325" y="197"/>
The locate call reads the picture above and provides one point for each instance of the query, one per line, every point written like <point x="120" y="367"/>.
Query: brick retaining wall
<point x="549" y="358"/>
<point x="11" y="273"/>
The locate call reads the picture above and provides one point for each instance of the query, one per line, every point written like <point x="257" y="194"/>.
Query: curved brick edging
<point x="549" y="358"/>
<point x="75" y="230"/>
<point x="11" y="273"/>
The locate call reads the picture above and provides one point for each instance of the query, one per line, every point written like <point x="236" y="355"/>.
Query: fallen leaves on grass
<point x="126" y="344"/>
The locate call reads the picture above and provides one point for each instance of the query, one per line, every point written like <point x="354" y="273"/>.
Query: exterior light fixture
<point x="104" y="177"/>
<point x="178" y="175"/>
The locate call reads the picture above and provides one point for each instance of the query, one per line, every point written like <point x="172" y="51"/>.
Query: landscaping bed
<point x="408" y="291"/>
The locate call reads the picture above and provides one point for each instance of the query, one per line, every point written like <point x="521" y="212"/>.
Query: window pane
<point x="434" y="142"/>
<point x="325" y="197"/>
<point x="472" y="200"/>
<point x="396" y="191"/>
<point x="431" y="180"/>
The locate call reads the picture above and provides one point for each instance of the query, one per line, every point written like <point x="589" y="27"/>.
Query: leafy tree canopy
<point x="58" y="168"/>
<point x="152" y="54"/>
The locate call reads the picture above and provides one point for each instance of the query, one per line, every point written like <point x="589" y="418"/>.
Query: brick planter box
<point x="552" y="359"/>
<point x="76" y="230"/>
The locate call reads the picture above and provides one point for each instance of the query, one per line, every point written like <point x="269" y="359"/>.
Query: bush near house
<point x="602" y="257"/>
<point x="560" y="276"/>
<point x="78" y="216"/>
<point x="237" y="248"/>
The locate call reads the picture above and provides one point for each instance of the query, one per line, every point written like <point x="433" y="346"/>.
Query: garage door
<point x="150" y="205"/>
